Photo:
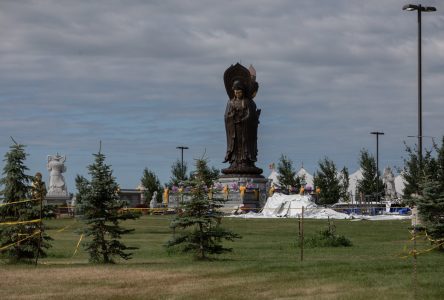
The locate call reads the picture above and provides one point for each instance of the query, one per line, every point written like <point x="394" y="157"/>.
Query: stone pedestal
<point x="58" y="200"/>
<point x="254" y="197"/>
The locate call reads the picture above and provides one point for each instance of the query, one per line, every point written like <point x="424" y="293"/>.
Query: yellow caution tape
<point x="20" y="222"/>
<point x="78" y="244"/>
<point x="67" y="226"/>
<point x="433" y="240"/>
<point x="147" y="209"/>
<point x="19" y="241"/>
<point x="21" y="201"/>
<point x="415" y="253"/>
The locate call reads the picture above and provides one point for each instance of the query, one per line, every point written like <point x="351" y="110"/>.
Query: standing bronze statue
<point x="241" y="121"/>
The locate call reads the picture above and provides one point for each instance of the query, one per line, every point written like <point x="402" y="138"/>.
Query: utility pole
<point x="377" y="133"/>
<point x="182" y="148"/>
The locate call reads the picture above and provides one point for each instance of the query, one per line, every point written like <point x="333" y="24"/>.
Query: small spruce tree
<point x="16" y="188"/>
<point x="344" y="182"/>
<point x="151" y="184"/>
<point x="415" y="173"/>
<point x="102" y="212"/>
<point x="178" y="174"/>
<point x="327" y="180"/>
<point x="371" y="183"/>
<point x="287" y="175"/>
<point x="199" y="221"/>
<point x="431" y="203"/>
<point x="38" y="194"/>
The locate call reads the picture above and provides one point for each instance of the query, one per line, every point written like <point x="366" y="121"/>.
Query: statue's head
<point x="38" y="175"/>
<point x="238" y="88"/>
<point x="238" y="85"/>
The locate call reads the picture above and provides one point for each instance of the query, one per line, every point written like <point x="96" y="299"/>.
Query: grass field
<point x="265" y="264"/>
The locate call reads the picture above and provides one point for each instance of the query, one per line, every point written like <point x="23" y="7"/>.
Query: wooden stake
<point x="40" y="234"/>
<point x="302" y="234"/>
<point x="415" y="277"/>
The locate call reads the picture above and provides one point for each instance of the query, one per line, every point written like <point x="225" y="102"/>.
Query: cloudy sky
<point x="146" y="76"/>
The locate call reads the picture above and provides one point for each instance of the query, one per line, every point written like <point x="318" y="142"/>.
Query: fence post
<point x="302" y="234"/>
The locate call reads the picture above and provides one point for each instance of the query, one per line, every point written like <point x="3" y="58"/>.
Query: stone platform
<point x="255" y="196"/>
<point x="58" y="200"/>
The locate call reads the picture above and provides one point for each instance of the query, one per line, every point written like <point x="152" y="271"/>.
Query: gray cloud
<point x="146" y="76"/>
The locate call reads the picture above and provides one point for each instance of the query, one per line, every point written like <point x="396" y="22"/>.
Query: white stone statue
<point x="389" y="184"/>
<point x="56" y="167"/>
<point x="153" y="202"/>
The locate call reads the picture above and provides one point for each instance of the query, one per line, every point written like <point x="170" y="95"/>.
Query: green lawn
<point x="265" y="264"/>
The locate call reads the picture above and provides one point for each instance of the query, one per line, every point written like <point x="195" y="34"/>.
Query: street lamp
<point x="419" y="8"/>
<point x="377" y="133"/>
<point x="181" y="168"/>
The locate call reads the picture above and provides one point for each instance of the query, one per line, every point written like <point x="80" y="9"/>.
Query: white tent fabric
<point x="308" y="177"/>
<point x="353" y="183"/>
<point x="290" y="206"/>
<point x="281" y="205"/>
<point x="302" y="172"/>
<point x="274" y="177"/>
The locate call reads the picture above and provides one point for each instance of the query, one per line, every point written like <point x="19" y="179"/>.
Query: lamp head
<point x="412" y="7"/>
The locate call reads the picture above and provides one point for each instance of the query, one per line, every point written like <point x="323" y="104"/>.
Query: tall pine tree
<point x="416" y="173"/>
<point x="38" y="194"/>
<point x="326" y="178"/>
<point x="371" y="184"/>
<point x="22" y="236"/>
<point x="344" y="182"/>
<point x="178" y="173"/>
<point x="102" y="211"/>
<point x="287" y="175"/>
<point x="199" y="222"/>
<point x="431" y="203"/>
<point x="151" y="184"/>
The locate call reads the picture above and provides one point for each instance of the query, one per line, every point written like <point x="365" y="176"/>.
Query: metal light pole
<point x="182" y="148"/>
<point x="377" y="133"/>
<point x="419" y="8"/>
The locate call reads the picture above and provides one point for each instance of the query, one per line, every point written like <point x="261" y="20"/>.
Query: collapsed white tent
<point x="290" y="206"/>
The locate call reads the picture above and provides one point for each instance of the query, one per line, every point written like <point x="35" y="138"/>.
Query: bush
<point x="328" y="238"/>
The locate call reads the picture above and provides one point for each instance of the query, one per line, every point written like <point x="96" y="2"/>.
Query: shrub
<point x="328" y="238"/>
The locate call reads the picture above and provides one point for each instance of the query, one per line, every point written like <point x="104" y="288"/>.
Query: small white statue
<point x="389" y="184"/>
<point x="153" y="202"/>
<point x="56" y="167"/>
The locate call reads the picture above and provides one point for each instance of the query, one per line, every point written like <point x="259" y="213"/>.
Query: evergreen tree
<point x="344" y="182"/>
<point x="82" y="186"/>
<point x="327" y="180"/>
<point x="16" y="188"/>
<point x="431" y="203"/>
<point x="371" y="183"/>
<point x="201" y="232"/>
<point x="151" y="184"/>
<point x="415" y="174"/>
<point x="178" y="174"/>
<point x="38" y="194"/>
<point x="102" y="211"/>
<point x="209" y="175"/>
<point x="287" y="175"/>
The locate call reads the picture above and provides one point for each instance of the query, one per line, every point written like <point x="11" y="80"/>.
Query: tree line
<point x="330" y="183"/>
<point x="23" y="238"/>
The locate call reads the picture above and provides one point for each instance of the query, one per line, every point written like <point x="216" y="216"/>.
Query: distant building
<point x="134" y="197"/>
